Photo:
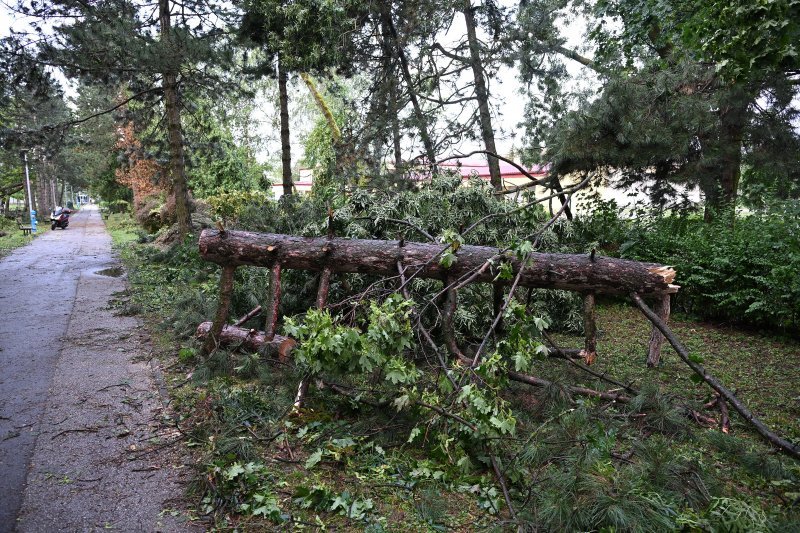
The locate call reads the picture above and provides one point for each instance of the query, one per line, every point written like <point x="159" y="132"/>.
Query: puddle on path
<point x="113" y="272"/>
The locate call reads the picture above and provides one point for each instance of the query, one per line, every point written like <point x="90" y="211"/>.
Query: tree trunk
<point x="177" y="163"/>
<point x="223" y="309"/>
<point x="662" y="309"/>
<point x="286" y="146"/>
<point x="589" y="352"/>
<point x="574" y="272"/>
<point x="41" y="191"/>
<point x="391" y="88"/>
<point x="52" y="191"/>
<point x="323" y="107"/>
<point x="394" y="117"/>
<point x="482" y="96"/>
<point x="419" y="116"/>
<point x="720" y="186"/>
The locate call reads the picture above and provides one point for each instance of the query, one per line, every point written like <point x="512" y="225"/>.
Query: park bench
<point x="26" y="229"/>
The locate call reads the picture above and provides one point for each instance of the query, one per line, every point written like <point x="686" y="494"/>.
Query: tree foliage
<point x="666" y="116"/>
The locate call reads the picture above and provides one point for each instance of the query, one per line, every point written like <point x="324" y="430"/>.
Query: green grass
<point x="123" y="228"/>
<point x="14" y="237"/>
<point x="232" y="409"/>
<point x="764" y="369"/>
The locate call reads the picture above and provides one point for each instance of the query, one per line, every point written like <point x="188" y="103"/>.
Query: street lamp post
<point x="31" y="212"/>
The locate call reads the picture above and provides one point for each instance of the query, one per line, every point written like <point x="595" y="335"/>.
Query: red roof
<point x="480" y="169"/>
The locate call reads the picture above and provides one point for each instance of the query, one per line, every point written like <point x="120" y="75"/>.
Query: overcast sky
<point x="508" y="103"/>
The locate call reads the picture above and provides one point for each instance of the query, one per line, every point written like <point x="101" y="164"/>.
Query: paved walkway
<point x="83" y="446"/>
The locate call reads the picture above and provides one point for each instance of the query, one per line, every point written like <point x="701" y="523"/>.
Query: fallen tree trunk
<point x="574" y="272"/>
<point x="250" y="340"/>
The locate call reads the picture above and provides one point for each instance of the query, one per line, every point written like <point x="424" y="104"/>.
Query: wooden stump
<point x="662" y="309"/>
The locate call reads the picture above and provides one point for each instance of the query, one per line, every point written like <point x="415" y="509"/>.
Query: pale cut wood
<point x="250" y="340"/>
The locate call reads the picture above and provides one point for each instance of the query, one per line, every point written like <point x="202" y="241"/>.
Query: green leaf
<point x="447" y="259"/>
<point x="401" y="402"/>
<point x="234" y="470"/>
<point x="314" y="459"/>
<point x="696" y="358"/>
<point x="521" y="362"/>
<point x="505" y="271"/>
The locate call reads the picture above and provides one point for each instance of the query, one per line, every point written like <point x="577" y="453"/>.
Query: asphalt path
<point x="78" y="400"/>
<point x="37" y="291"/>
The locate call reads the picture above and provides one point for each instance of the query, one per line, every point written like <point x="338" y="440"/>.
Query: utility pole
<point x="32" y="213"/>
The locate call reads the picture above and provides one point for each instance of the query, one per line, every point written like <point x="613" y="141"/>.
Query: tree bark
<point x="662" y="309"/>
<point x="589" y="352"/>
<point x="390" y="81"/>
<point x="41" y="191"/>
<point x="574" y="272"/>
<point x="419" y="116"/>
<point x="223" y="309"/>
<point x="250" y="340"/>
<point x="286" y="145"/>
<point x="482" y="96"/>
<point x="273" y="301"/>
<point x="323" y="107"/>
<point x="177" y="158"/>
<point x="720" y="185"/>
<point x="52" y="190"/>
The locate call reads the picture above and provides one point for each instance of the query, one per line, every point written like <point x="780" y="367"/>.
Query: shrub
<point x="745" y="271"/>
<point x="228" y="205"/>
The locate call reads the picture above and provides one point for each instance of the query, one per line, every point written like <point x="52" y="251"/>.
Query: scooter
<point x="59" y="218"/>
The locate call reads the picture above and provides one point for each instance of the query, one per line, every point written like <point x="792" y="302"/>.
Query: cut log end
<point x="251" y="340"/>
<point x="285" y="345"/>
<point x="588" y="357"/>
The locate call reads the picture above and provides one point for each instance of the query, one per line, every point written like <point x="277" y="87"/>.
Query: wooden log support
<point x="498" y="296"/>
<point x="662" y="309"/>
<point x="576" y="272"/>
<point x="589" y="352"/>
<point x="325" y="277"/>
<point x="324" y="288"/>
<point x="250" y="340"/>
<point x="300" y="397"/>
<point x="322" y="300"/>
<point x="223" y="309"/>
<point x="273" y="301"/>
<point x="724" y="417"/>
<point x="448" y="316"/>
